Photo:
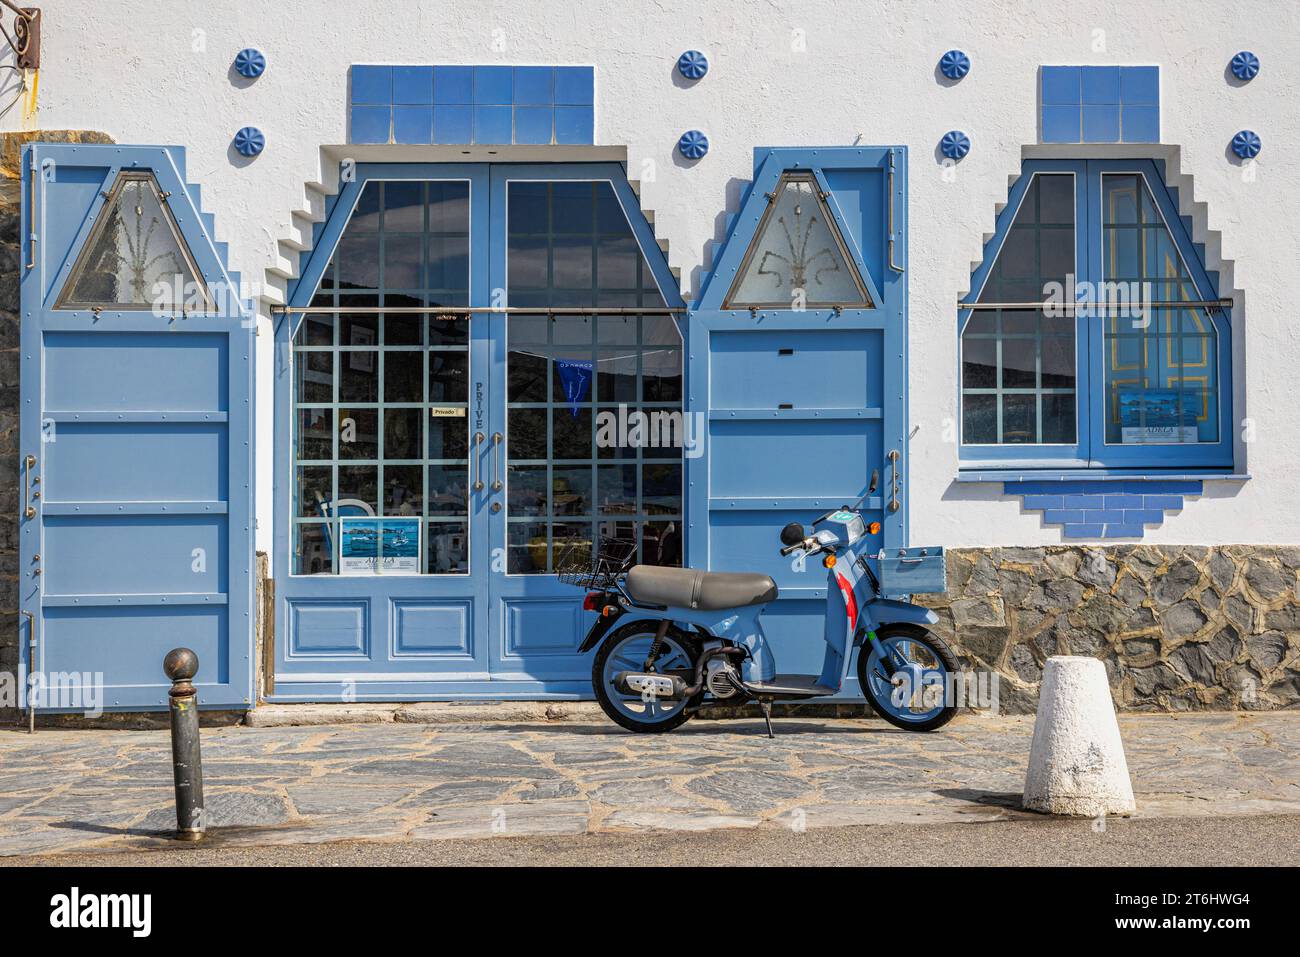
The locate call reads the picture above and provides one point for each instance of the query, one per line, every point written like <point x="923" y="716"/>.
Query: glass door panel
<point x="381" y="398"/>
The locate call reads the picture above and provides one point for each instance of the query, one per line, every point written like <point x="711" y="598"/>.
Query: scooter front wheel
<point x="626" y="650"/>
<point x="912" y="691"/>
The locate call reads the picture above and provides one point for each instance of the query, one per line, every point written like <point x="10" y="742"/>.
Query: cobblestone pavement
<point x="64" y="791"/>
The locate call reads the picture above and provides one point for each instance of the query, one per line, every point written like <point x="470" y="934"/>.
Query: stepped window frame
<point x="1162" y="237"/>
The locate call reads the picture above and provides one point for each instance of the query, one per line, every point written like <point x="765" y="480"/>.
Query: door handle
<point x="497" y="484"/>
<point x="894" y="481"/>
<point x="478" y="466"/>
<point x="29" y="510"/>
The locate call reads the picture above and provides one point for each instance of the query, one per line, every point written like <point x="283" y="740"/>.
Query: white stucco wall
<point x="159" y="73"/>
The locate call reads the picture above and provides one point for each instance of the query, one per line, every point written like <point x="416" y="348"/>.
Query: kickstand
<point x="766" y="705"/>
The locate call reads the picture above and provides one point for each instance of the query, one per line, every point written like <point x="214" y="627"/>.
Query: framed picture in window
<point x="361" y="361"/>
<point x="379" y="546"/>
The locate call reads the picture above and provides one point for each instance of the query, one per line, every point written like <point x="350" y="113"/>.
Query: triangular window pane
<point x="135" y="257"/>
<point x="1019" y="372"/>
<point x="797" y="255"/>
<point x="1039" y="246"/>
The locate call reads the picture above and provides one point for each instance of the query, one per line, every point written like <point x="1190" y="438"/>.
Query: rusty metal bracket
<point x="25" y="41"/>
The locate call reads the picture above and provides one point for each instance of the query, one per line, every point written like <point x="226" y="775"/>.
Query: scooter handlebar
<point x="809" y="545"/>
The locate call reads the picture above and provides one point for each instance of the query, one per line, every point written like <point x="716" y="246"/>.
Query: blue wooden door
<point x="798" y="347"/>
<point x="570" y="384"/>
<point x="137" y="403"/>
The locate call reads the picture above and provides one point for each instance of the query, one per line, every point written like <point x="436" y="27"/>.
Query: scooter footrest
<point x="790" y="686"/>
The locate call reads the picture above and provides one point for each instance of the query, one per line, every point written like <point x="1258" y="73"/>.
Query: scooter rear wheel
<point x="626" y="649"/>
<point x="926" y="656"/>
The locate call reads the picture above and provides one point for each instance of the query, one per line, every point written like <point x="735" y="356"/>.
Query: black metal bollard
<point x="181" y="665"/>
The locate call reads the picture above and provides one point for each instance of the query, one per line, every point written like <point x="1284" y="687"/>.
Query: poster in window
<point x="1158" y="417"/>
<point x="575" y="377"/>
<point x="361" y="361"/>
<point x="380" y="546"/>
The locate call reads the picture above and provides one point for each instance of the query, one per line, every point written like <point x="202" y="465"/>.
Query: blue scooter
<point x="675" y="639"/>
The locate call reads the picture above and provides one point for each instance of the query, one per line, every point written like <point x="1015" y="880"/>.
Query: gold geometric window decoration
<point x="135" y="256"/>
<point x="798" y="257"/>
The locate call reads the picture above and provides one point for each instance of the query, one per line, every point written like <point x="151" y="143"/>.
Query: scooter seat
<point x="704" y="591"/>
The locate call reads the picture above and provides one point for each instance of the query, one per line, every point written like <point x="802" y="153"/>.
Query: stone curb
<point x="436" y="712"/>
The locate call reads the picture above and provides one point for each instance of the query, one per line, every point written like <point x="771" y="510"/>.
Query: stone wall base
<point x="1178" y="627"/>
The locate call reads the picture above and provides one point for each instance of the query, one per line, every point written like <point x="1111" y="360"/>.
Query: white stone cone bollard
<point x="1076" y="760"/>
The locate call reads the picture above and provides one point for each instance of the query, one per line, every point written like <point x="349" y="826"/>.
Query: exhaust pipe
<point x="671" y="687"/>
<point x="646" y="685"/>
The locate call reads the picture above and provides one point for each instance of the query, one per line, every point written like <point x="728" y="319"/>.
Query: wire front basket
<point x="577" y="566"/>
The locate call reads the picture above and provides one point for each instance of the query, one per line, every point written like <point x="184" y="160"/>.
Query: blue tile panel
<point x="1100" y="104"/>
<point x="1121" y="508"/>
<point x="459" y="105"/>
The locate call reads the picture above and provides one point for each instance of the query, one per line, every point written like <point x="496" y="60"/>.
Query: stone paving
<point x="64" y="790"/>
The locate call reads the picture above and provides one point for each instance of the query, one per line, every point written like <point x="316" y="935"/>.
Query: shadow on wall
<point x="735" y="194"/>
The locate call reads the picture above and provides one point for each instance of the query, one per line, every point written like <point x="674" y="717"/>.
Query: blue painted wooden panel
<point x="135" y="554"/>
<point x="811" y="369"/>
<point x="334" y="628"/>
<point x="816" y="458"/>
<point x="136" y="371"/>
<point x="432" y="629"/>
<point x="139" y="425"/>
<point x="132" y="641"/>
<point x="545" y="627"/>
<point x="187" y="462"/>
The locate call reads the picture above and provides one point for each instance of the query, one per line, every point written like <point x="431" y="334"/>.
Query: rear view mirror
<point x="792" y="534"/>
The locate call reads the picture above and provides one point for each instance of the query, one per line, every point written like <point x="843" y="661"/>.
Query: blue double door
<point x="507" y="319"/>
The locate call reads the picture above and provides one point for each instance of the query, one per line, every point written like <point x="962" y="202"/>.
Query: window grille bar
<point x="513" y="310"/>
<point x="1071" y="306"/>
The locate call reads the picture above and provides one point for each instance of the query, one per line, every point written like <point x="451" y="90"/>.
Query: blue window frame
<point x="1075" y="348"/>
